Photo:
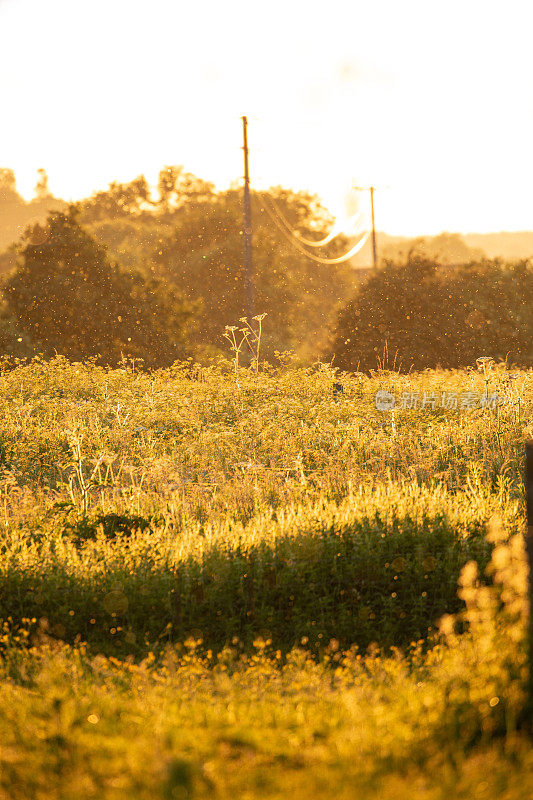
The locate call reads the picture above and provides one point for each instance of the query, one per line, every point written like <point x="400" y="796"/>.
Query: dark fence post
<point x="529" y="552"/>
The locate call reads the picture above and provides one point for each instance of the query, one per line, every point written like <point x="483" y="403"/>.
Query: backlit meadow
<point x="217" y="581"/>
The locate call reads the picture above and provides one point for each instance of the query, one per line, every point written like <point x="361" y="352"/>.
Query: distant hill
<point x="506" y="245"/>
<point x="446" y="249"/>
<point x="450" y="248"/>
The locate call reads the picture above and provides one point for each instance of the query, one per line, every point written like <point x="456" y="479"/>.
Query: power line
<point x="287" y="231"/>
<point x="329" y="238"/>
<point x="333" y="234"/>
<point x="320" y="260"/>
<point x="288" y="235"/>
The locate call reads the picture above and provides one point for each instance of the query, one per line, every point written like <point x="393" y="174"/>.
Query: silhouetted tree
<point x="8" y="186"/>
<point x="16" y="214"/>
<point x="119" y="201"/>
<point x="41" y="187"/>
<point x="175" y="187"/>
<point x="202" y="254"/>
<point x="423" y="318"/>
<point x="67" y="296"/>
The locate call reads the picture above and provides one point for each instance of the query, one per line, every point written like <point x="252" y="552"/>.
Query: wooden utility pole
<point x="374" y="247"/>
<point x="372" y="189"/>
<point x="247" y="228"/>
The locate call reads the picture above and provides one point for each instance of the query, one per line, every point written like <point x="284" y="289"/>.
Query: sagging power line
<point x="290" y="233"/>
<point x="335" y="232"/>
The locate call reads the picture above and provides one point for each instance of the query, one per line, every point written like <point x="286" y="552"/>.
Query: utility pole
<point x="374" y="248"/>
<point x="247" y="228"/>
<point x="372" y="189"/>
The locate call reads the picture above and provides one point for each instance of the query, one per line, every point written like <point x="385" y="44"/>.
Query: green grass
<point x="382" y="565"/>
<point x="201" y="583"/>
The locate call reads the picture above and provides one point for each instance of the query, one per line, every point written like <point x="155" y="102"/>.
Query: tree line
<point x="171" y="269"/>
<point x="129" y="274"/>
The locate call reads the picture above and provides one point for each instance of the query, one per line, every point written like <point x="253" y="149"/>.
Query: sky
<point x="431" y="102"/>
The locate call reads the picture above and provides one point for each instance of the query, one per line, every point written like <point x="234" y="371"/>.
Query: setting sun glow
<point x="432" y="103"/>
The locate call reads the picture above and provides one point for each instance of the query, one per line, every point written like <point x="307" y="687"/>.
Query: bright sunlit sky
<point x="430" y="101"/>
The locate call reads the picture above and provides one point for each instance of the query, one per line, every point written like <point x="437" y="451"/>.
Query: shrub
<point x="411" y="315"/>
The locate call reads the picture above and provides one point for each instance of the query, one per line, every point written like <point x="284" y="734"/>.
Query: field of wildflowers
<point x="226" y="581"/>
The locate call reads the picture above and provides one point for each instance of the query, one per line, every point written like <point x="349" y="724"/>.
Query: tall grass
<point x="201" y="581"/>
<point x="198" y="724"/>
